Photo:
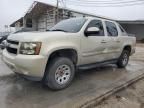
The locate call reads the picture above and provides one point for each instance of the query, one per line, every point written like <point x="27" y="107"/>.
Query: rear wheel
<point x="123" y="60"/>
<point x="60" y="73"/>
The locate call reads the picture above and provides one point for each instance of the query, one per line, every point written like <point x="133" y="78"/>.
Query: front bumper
<point x="27" y="65"/>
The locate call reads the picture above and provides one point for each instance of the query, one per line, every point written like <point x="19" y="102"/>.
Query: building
<point x="4" y="33"/>
<point x="134" y="27"/>
<point x="41" y="16"/>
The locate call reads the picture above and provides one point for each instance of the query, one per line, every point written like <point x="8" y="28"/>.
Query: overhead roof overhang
<point x="37" y="8"/>
<point x="132" y="22"/>
<point x="19" y="20"/>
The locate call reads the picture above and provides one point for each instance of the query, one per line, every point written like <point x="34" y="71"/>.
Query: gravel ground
<point x="131" y="97"/>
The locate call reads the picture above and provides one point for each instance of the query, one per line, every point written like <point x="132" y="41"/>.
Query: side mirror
<point x="92" y="30"/>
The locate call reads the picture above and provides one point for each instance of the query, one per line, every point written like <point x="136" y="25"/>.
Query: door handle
<point x="103" y="41"/>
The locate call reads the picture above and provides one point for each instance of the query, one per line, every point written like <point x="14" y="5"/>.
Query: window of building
<point x="29" y="23"/>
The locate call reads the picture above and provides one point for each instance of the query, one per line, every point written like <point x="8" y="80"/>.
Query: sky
<point x="11" y="10"/>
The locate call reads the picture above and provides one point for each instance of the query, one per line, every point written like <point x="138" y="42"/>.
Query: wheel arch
<point x="128" y="48"/>
<point x="67" y="52"/>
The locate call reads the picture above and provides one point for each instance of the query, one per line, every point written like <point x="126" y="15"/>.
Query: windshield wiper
<point x="57" y="30"/>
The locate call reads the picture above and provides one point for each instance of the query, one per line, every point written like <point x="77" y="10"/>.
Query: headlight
<point x="30" y="48"/>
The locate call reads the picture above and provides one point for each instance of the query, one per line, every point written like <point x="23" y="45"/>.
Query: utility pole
<point x="57" y="12"/>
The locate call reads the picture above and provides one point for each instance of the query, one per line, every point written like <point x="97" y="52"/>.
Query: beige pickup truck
<point x="76" y="43"/>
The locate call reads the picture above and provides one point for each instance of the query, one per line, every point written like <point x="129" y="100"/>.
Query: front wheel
<point x="123" y="60"/>
<point x="59" y="73"/>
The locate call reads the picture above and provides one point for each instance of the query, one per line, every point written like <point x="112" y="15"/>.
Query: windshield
<point x="72" y="25"/>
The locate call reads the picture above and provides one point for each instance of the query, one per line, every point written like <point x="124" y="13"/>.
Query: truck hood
<point x="37" y="36"/>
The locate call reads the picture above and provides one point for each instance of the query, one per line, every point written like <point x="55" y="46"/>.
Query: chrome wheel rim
<point x="62" y="74"/>
<point x="125" y="59"/>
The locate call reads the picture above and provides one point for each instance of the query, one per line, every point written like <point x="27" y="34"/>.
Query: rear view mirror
<point x="92" y="30"/>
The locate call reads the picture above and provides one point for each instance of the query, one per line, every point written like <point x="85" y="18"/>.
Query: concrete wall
<point x="136" y="29"/>
<point x="34" y="24"/>
<point x="47" y="20"/>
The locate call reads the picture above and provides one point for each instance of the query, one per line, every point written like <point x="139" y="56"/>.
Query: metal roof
<point x="132" y="22"/>
<point x="90" y="14"/>
<point x="37" y="8"/>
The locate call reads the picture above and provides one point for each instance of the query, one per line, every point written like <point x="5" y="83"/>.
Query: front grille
<point x="12" y="46"/>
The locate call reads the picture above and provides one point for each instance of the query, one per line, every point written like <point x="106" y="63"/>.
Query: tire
<point x="123" y="60"/>
<point x="60" y="73"/>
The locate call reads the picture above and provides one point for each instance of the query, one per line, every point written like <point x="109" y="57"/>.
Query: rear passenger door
<point x="113" y="47"/>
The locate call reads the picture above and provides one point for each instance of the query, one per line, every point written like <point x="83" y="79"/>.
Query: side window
<point x="96" y="23"/>
<point x="111" y="29"/>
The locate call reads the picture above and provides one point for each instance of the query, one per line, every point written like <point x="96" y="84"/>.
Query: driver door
<point x="94" y="45"/>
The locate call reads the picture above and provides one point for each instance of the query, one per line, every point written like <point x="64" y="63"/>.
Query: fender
<point x="60" y="46"/>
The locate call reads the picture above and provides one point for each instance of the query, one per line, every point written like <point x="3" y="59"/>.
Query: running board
<point x="98" y="64"/>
